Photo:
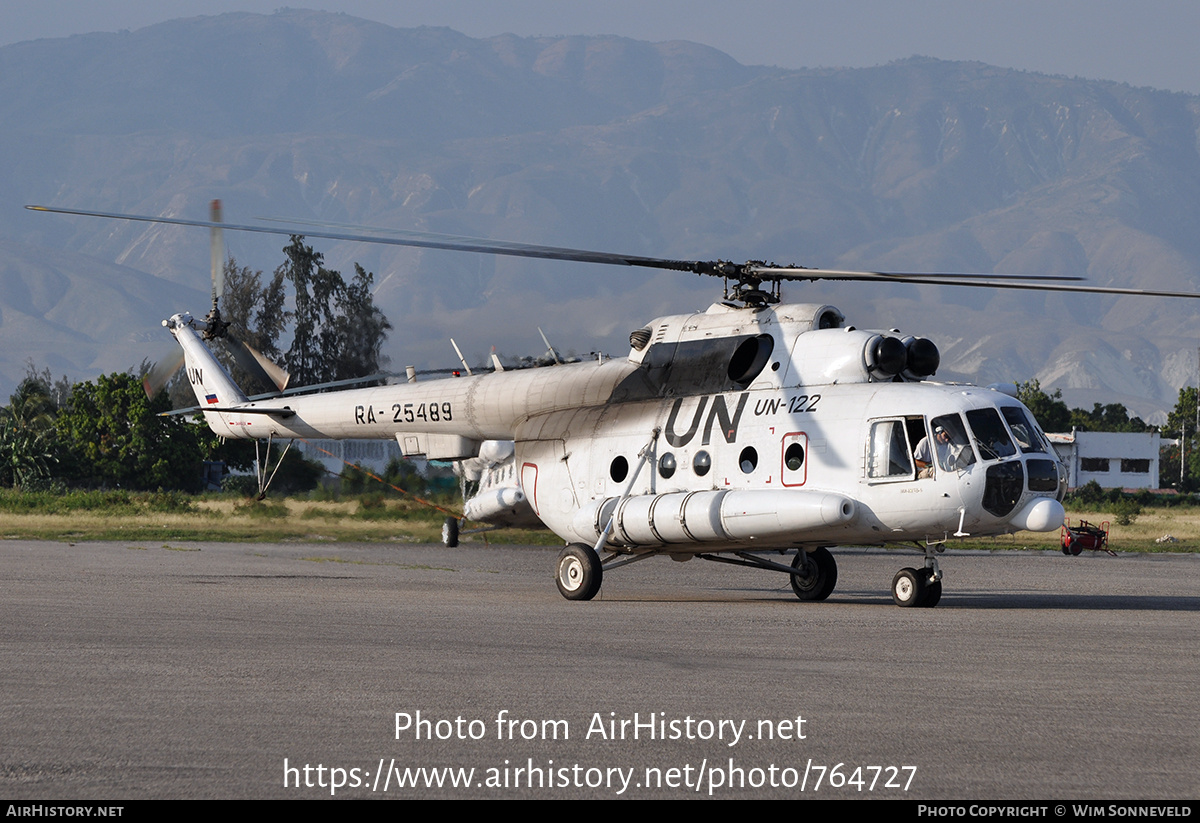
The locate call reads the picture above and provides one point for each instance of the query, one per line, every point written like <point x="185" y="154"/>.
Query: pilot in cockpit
<point x="949" y="453"/>
<point x="923" y="455"/>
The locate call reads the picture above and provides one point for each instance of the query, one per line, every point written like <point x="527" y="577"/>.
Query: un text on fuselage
<point x="718" y="412"/>
<point x="727" y="424"/>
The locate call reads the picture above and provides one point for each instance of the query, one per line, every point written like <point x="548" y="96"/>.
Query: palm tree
<point x="27" y="442"/>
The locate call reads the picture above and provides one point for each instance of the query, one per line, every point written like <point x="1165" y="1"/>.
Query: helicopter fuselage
<point x="726" y="430"/>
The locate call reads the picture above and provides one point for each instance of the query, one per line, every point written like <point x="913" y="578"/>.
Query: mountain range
<point x="660" y="149"/>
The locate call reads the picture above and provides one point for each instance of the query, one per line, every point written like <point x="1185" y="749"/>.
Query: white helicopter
<point x="749" y="431"/>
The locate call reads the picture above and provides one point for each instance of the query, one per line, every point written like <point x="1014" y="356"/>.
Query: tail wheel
<point x="908" y="587"/>
<point x="579" y="572"/>
<point x="815" y="575"/>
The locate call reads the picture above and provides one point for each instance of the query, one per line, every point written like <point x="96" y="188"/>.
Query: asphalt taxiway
<point x="178" y="670"/>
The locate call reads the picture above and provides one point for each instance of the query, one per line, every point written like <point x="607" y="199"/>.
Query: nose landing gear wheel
<point x="815" y="575"/>
<point x="450" y="532"/>
<point x="933" y="593"/>
<point x="579" y="572"/>
<point x="908" y="588"/>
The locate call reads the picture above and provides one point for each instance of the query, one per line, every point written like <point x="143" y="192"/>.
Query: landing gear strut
<point x="262" y="464"/>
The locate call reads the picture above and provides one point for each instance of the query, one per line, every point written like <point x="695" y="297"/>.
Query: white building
<point x="335" y="454"/>
<point x="1115" y="460"/>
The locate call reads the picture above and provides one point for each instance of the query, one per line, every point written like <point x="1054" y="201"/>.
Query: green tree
<point x="359" y="330"/>
<point x="403" y="474"/>
<point x="1113" y="417"/>
<point x="1184" y="412"/>
<point x="112" y="435"/>
<point x="338" y="331"/>
<point x="28" y="448"/>
<point x="1181" y="423"/>
<point x="57" y="391"/>
<point x="255" y="313"/>
<point x="303" y="265"/>
<point x="1053" y="415"/>
<point x="1049" y="410"/>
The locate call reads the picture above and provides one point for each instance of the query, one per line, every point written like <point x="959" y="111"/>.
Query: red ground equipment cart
<point x="1085" y="536"/>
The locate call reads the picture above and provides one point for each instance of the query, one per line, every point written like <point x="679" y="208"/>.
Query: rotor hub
<point x="214" y="326"/>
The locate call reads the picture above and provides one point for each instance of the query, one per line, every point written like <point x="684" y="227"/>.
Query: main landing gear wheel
<point x="908" y="587"/>
<point x="815" y="575"/>
<point x="450" y="532"/>
<point x="579" y="572"/>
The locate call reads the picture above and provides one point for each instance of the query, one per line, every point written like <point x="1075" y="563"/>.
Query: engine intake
<point x="922" y="358"/>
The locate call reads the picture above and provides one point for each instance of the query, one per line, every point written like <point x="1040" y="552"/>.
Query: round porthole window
<point x="748" y="459"/>
<point x="666" y="465"/>
<point x="793" y="457"/>
<point x="619" y="469"/>
<point x="701" y="463"/>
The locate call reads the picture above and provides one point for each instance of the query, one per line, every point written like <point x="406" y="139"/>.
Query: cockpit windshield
<point x="1024" y="430"/>
<point x="990" y="435"/>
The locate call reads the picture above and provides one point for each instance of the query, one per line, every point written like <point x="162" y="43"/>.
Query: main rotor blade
<point x="995" y="281"/>
<point x="771" y="272"/>
<point x="415" y="239"/>
<point x="718" y="268"/>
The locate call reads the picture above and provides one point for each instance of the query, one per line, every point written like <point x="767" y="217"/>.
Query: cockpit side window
<point x="888" y="454"/>
<point x="1023" y="429"/>
<point x="953" y="448"/>
<point x="990" y="435"/>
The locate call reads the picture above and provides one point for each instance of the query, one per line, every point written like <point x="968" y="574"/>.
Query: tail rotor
<point x="246" y="356"/>
<point x="249" y="359"/>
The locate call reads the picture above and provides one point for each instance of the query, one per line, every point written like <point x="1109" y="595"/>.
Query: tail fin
<point x="210" y="381"/>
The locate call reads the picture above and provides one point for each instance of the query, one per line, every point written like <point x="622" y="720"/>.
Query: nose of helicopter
<point x="1042" y="515"/>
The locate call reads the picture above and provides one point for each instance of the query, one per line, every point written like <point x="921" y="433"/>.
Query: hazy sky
<point x="1146" y="43"/>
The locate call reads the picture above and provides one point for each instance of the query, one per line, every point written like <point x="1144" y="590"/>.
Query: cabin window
<point x="748" y="459"/>
<point x="1003" y="487"/>
<point x="793" y="457"/>
<point x="618" y="470"/>
<point x="666" y="466"/>
<point x="1043" y="476"/>
<point x="888" y="454"/>
<point x="701" y="463"/>
<point x="793" y="472"/>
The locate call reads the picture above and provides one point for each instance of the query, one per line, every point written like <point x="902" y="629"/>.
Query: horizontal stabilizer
<point x="284" y="412"/>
